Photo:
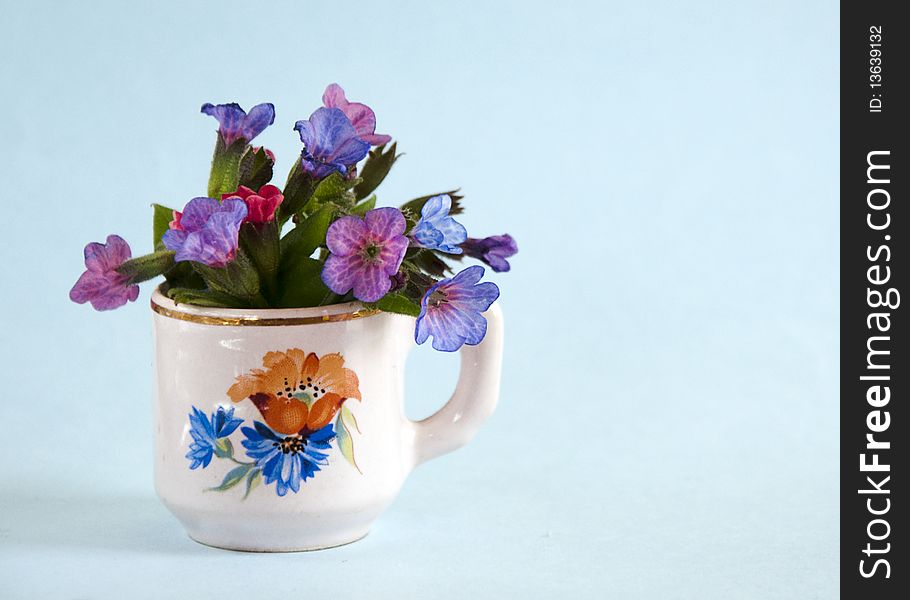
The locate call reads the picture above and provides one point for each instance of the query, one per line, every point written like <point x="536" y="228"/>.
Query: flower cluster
<point x="319" y="240"/>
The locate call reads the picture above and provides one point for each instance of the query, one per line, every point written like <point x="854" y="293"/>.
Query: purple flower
<point x="493" y="250"/>
<point x="206" y="231"/>
<point x="360" y="115"/>
<point x="436" y="229"/>
<point x="234" y="123"/>
<point x="451" y="310"/>
<point x="365" y="253"/>
<point x="101" y="284"/>
<point x="330" y="143"/>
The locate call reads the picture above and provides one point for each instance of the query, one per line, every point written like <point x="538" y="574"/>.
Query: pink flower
<point x="101" y="283"/>
<point x="260" y="205"/>
<point x="360" y="115"/>
<point x="365" y="253"/>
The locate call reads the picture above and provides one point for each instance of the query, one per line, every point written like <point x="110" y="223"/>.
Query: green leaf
<point x="305" y="237"/>
<point x="375" y="169"/>
<point x="297" y="192"/>
<point x="430" y="263"/>
<point x="143" y="268"/>
<point x="414" y="206"/>
<point x="238" y="278"/>
<point x="302" y="285"/>
<point x="161" y="219"/>
<point x="255" y="168"/>
<point x="252" y="481"/>
<point x="224" y="448"/>
<point x="397" y="303"/>
<point x="182" y="295"/>
<point x="225" y="175"/>
<point x="363" y="207"/>
<point x="261" y="244"/>
<point x="345" y="421"/>
<point x="335" y="188"/>
<point x="233" y="477"/>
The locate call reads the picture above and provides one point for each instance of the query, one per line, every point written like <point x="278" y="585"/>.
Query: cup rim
<point x="260" y="317"/>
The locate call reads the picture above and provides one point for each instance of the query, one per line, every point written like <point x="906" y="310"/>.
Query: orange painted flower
<point x="297" y="392"/>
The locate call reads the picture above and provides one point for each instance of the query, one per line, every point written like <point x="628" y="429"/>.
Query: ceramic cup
<point x="281" y="430"/>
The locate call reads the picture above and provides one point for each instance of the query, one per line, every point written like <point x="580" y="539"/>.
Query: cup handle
<point x="473" y="401"/>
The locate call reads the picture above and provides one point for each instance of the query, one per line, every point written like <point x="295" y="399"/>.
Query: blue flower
<point x="436" y="230"/>
<point x="493" y="250"/>
<point x="451" y="310"/>
<point x="285" y="460"/>
<point x="330" y="143"/>
<point x="234" y="123"/>
<point x="207" y="231"/>
<point x="206" y="431"/>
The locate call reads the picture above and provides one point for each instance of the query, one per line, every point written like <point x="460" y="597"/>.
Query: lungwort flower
<point x="206" y="431"/>
<point x="207" y="231"/>
<point x="234" y="123"/>
<point x="101" y="283"/>
<point x="330" y="143"/>
<point x="451" y="310"/>
<point x="360" y="115"/>
<point x="297" y="392"/>
<point x="285" y="460"/>
<point x="493" y="250"/>
<point x="365" y="253"/>
<point x="436" y="229"/>
<point x="260" y="205"/>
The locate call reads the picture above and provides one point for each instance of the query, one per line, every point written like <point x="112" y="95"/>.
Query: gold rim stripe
<point x="262" y="322"/>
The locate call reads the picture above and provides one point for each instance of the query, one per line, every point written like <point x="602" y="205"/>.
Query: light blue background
<point x="668" y="423"/>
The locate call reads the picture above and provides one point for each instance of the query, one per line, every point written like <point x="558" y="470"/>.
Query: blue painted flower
<point x="206" y="431"/>
<point x="285" y="460"/>
<point x="235" y="123"/>
<point x="436" y="229"/>
<point x="451" y="310"/>
<point x="207" y="231"/>
<point x="330" y="143"/>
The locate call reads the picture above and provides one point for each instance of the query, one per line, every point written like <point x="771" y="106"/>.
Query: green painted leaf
<point x="252" y="481"/>
<point x="161" y="219"/>
<point x="343" y="433"/>
<point x="397" y="303"/>
<point x="375" y="169"/>
<point x="224" y="448"/>
<point x="233" y="477"/>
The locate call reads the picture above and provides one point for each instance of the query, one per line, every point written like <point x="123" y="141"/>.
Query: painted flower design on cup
<point x="301" y="397"/>
<point x="207" y="433"/>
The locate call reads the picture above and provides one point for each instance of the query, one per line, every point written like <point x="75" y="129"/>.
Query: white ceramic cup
<point x="346" y="457"/>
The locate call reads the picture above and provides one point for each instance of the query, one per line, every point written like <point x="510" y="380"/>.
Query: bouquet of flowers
<point x="318" y="241"/>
